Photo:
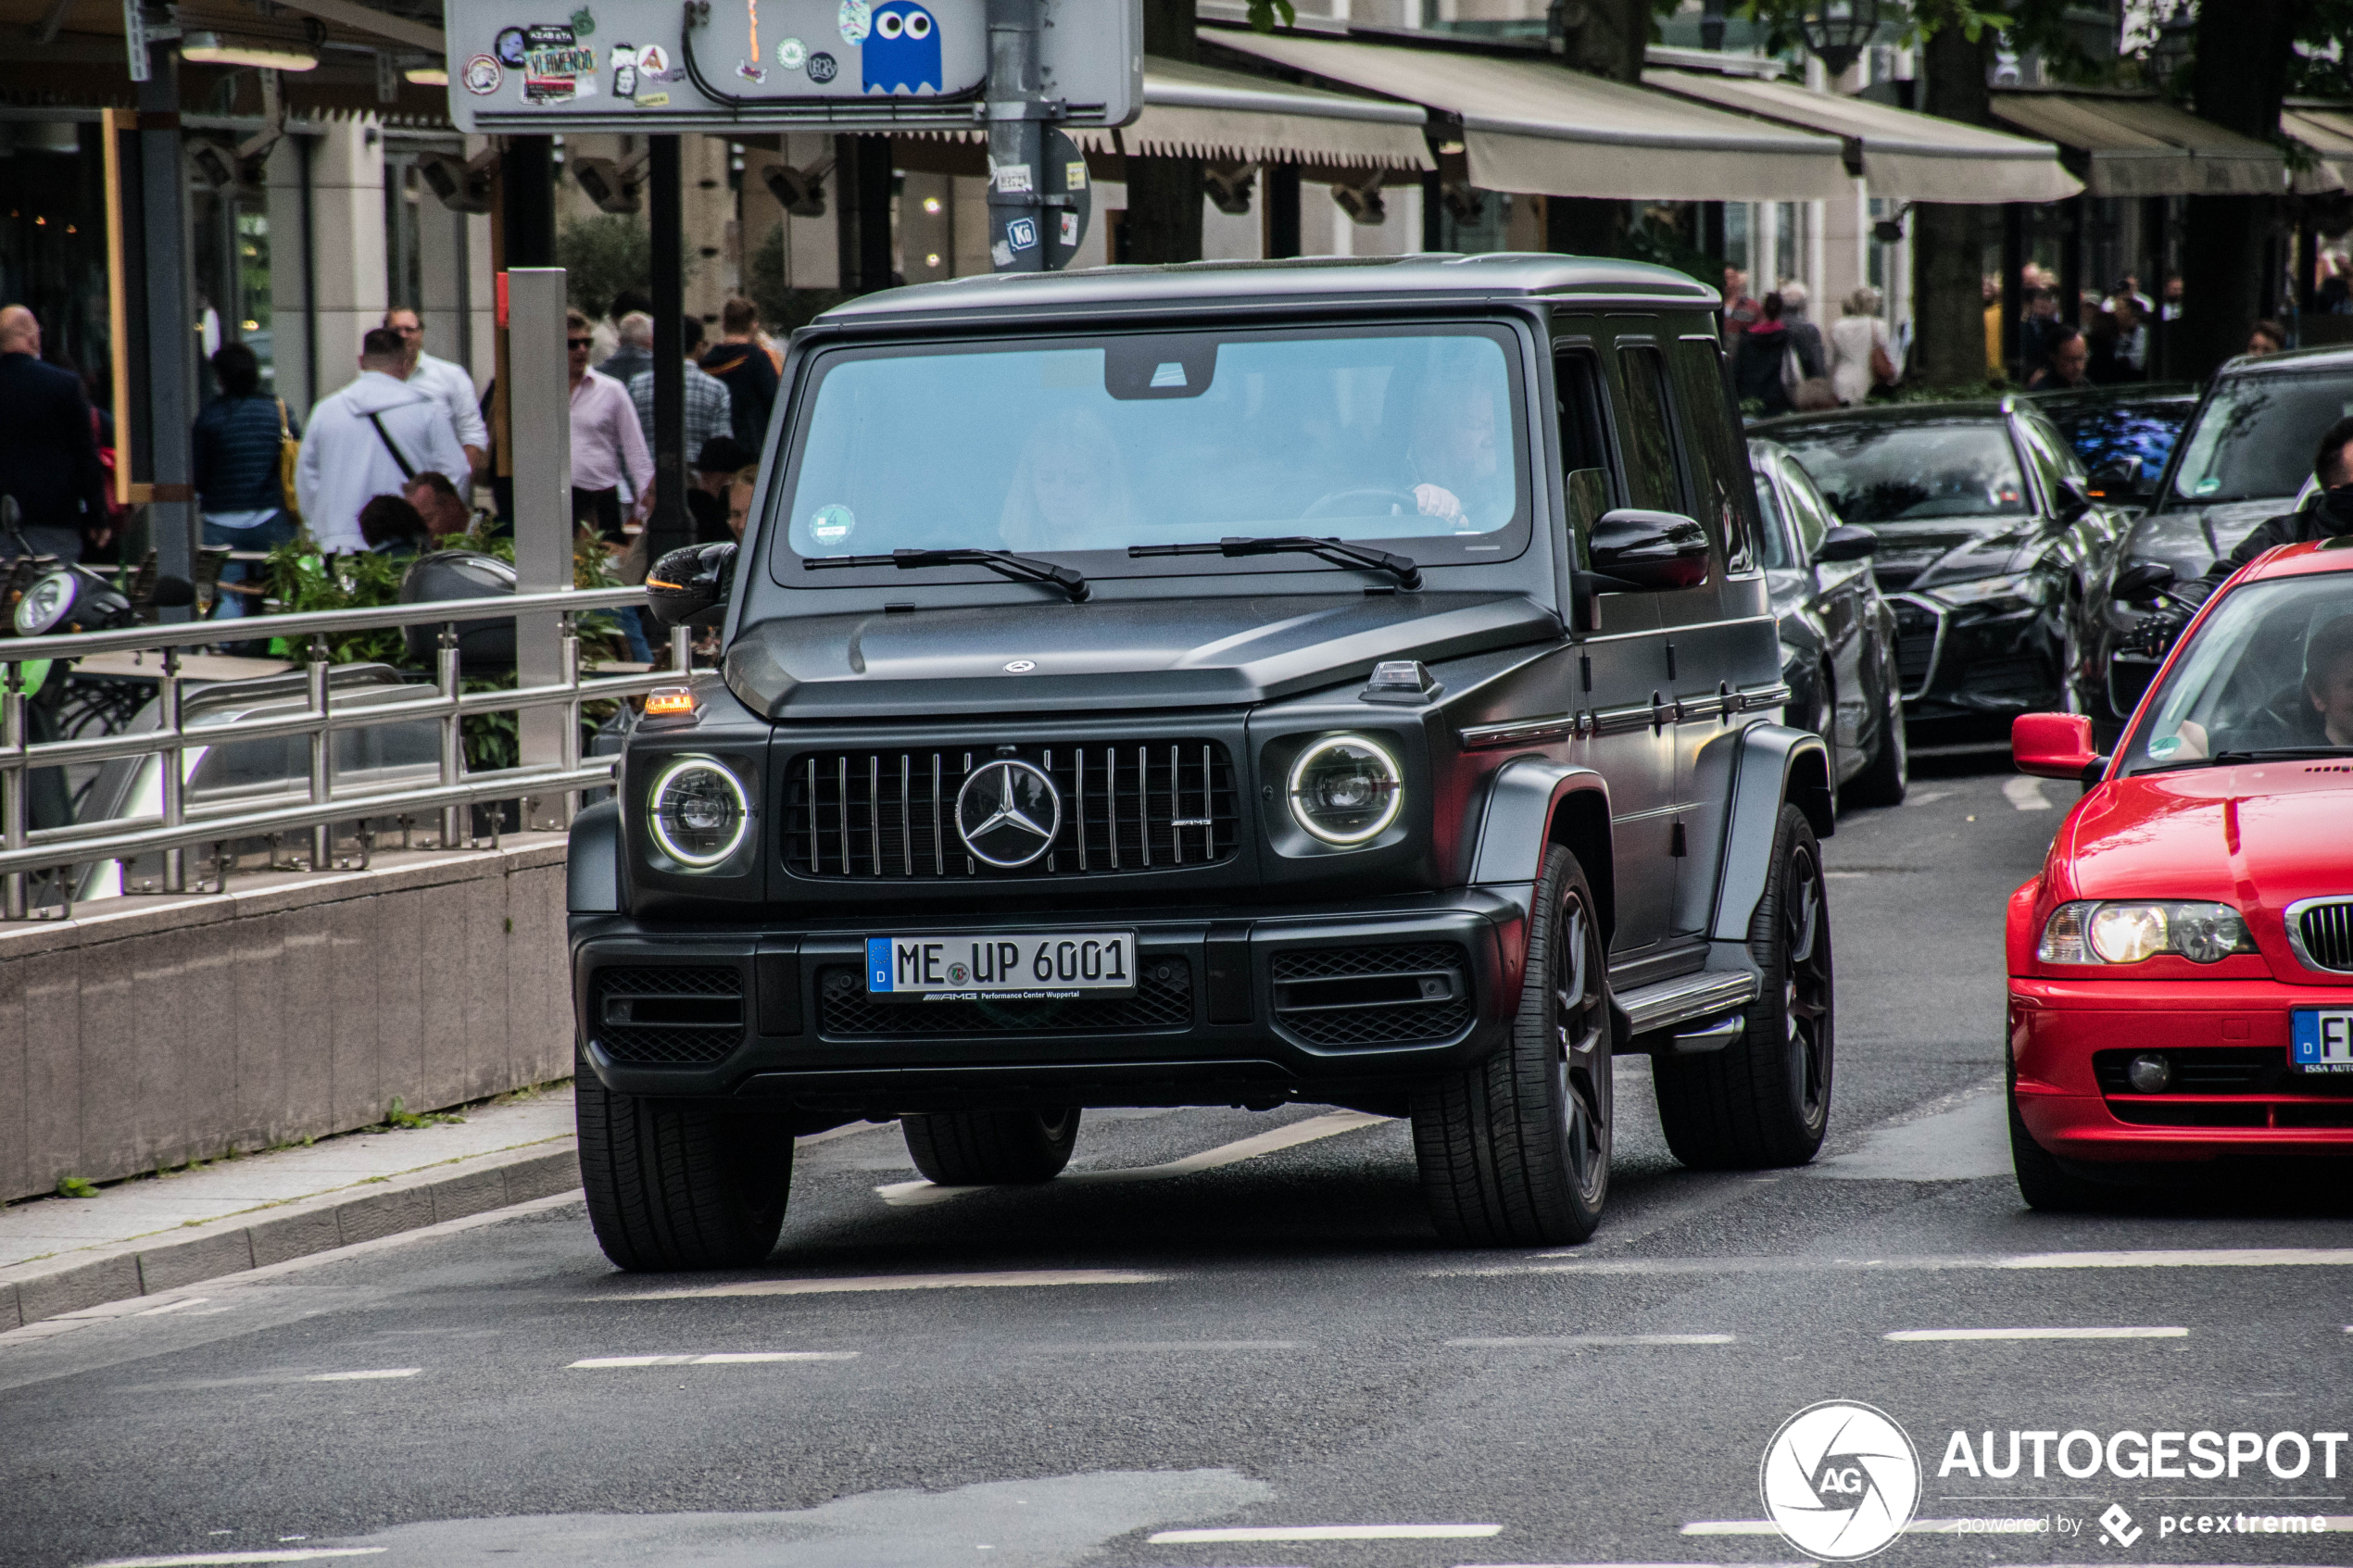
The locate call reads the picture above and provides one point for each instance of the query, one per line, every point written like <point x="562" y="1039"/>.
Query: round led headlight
<point x="1345" y="789"/>
<point x="698" y="811"/>
<point x="45" y="604"/>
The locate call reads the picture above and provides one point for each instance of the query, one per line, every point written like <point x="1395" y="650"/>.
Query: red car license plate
<point x="2323" y="1040"/>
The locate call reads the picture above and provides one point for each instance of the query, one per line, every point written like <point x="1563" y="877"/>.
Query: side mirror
<point x="1647" y="551"/>
<point x="689" y="587"/>
<point x="2117" y="480"/>
<point x="2055" y="745"/>
<point x="2141" y="581"/>
<point x="2073" y="499"/>
<point x="1846" y="543"/>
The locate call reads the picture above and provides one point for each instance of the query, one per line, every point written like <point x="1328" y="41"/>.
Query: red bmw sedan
<point x="2182" y="971"/>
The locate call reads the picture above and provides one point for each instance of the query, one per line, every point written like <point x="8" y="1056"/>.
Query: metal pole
<point x="12" y="810"/>
<point x="682" y="649"/>
<point x="540" y="417"/>
<point x="667" y="529"/>
<point x="453" y="755"/>
<point x="174" y="777"/>
<point x="169" y="344"/>
<point x="322" y="835"/>
<point x="1018" y="113"/>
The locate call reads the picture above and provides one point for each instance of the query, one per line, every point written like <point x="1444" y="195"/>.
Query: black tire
<point x="1764" y="1099"/>
<point x="1888" y="778"/>
<point x="1515" y="1150"/>
<point x="981" y="1148"/>
<point x="2044" y="1182"/>
<point x="674" y="1186"/>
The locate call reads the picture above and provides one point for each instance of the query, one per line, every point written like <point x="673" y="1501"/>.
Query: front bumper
<point x="1976" y="661"/>
<point x="2229" y="1042"/>
<point x="1245" y="1006"/>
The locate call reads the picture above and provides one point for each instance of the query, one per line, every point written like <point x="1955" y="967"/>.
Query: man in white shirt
<point x="369" y="440"/>
<point x="613" y="475"/>
<point x="447" y="382"/>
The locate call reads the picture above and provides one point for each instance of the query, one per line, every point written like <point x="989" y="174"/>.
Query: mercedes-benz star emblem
<point x="1021" y="666"/>
<point x="1008" y="813"/>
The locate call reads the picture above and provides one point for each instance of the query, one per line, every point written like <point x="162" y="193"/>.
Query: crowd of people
<point x="1783" y="362"/>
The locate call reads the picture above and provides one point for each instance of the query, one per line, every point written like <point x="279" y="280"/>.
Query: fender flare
<point x="592" y="863"/>
<point x="1776" y="764"/>
<point x="1523" y="812"/>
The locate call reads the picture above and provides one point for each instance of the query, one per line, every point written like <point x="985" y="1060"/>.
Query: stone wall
<point x="148" y="1031"/>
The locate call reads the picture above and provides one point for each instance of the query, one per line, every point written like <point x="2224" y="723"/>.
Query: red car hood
<point x="2257" y="836"/>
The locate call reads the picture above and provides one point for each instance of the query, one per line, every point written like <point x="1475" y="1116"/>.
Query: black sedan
<point x="2245" y="457"/>
<point x="1838" y="634"/>
<point x="2123" y="435"/>
<point x="1987" y="534"/>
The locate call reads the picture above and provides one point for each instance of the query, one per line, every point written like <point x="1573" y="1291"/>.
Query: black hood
<point x="1921" y="555"/>
<point x="2190" y="539"/>
<point x="1107" y="654"/>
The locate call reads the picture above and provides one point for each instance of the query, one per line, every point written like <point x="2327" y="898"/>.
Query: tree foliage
<point x="609" y="252"/>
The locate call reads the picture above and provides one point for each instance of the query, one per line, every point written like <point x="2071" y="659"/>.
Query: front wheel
<point x="1515" y="1150"/>
<point x="975" y="1149"/>
<point x="680" y="1187"/>
<point x="1764" y="1099"/>
<point x="2046" y="1184"/>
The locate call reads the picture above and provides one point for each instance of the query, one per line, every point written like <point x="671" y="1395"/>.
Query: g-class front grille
<point x="1351" y="997"/>
<point x="1135" y="806"/>
<point x="1164" y="999"/>
<point x="2325" y="934"/>
<point x="662" y="1017"/>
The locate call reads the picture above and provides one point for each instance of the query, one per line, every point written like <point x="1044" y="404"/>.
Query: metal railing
<point x="316" y="806"/>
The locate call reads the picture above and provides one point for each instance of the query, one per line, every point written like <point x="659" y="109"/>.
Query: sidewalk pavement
<point x="152" y="1233"/>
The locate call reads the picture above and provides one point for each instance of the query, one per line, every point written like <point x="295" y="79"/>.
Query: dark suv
<point x="1224" y="685"/>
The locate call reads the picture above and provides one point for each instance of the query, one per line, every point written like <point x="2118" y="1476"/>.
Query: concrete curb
<point x="93" y="1276"/>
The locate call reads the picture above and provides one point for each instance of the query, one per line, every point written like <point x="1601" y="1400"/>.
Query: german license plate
<point x="2322" y="1041"/>
<point x="1031" y="967"/>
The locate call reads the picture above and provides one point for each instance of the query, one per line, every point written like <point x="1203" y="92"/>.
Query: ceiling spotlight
<point x="457" y="184"/>
<point x="235" y="49"/>
<point x="800" y="192"/>
<point x="606" y="183"/>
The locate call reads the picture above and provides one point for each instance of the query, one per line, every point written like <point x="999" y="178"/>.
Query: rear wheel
<point x="680" y="1187"/>
<point x="975" y="1149"/>
<point x="1764" y="1099"/>
<point x="1515" y="1150"/>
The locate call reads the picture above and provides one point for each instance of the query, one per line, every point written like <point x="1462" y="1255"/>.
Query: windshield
<point x="1873" y="473"/>
<point x="2104" y="434"/>
<point x="2271" y="669"/>
<point x="2255" y="436"/>
<point x="1072" y="446"/>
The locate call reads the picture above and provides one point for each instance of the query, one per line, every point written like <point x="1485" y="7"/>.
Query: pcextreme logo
<point x="1840" y="1480"/>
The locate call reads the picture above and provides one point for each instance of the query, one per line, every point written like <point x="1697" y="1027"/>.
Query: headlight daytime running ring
<point x="1387" y="779"/>
<point x="668" y="796"/>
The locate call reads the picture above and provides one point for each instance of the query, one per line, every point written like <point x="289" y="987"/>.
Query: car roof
<point x="1498" y="276"/>
<point x="2288" y="361"/>
<point x="2310" y="558"/>
<point x="1885" y="416"/>
<point x="2116" y="395"/>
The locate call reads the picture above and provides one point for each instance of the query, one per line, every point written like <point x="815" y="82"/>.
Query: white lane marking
<point x="1579" y="1341"/>
<point x="1924" y="1335"/>
<point x="1154" y="1347"/>
<point x="2025" y="793"/>
<point x="173" y="1306"/>
<point x="377" y="1375"/>
<point x="1006" y="1277"/>
<point x="2205" y="1258"/>
<point x="1967" y="1143"/>
<point x="1928" y="797"/>
<point x="2216" y="1258"/>
<point x="1327" y="1533"/>
<point x="203" y="1558"/>
<point x="718" y="1358"/>
<point x="917" y="1194"/>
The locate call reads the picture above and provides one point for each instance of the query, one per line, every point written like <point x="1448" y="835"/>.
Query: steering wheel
<point x="1359" y="501"/>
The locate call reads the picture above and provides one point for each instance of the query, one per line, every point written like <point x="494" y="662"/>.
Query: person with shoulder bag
<point x="241" y="462"/>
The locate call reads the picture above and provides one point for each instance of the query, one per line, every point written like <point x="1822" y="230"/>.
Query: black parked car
<point x="2247" y="456"/>
<point x="1987" y="532"/>
<point x="2123" y="435"/>
<point x="1340" y="682"/>
<point x="1838" y="633"/>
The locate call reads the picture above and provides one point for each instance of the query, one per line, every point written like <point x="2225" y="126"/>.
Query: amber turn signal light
<point x="670" y="702"/>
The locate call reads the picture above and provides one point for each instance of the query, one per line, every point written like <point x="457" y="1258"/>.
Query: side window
<point x="1577" y="393"/>
<point x="1651" y="480"/>
<point x="1711" y="440"/>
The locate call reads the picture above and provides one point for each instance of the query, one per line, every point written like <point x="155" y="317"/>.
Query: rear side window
<point x="1651" y="480"/>
<point x="1712" y="440"/>
<point x="1577" y="392"/>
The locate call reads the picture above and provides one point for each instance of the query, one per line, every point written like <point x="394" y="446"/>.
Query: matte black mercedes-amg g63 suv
<point x="1348" y="682"/>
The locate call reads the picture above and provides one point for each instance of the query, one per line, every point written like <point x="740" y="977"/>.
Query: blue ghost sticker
<point x="901" y="55"/>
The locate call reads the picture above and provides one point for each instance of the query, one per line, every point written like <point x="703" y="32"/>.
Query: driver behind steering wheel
<point x="1451" y="466"/>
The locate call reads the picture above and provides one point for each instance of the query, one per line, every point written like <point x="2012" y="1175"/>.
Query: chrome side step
<point x="1669" y="1002"/>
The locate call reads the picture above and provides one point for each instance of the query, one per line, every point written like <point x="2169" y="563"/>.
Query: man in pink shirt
<point x="608" y="450"/>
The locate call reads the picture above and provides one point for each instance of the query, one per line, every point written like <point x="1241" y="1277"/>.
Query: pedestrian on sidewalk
<point x="237" y="461"/>
<point x="722" y="457"/>
<point x="708" y="406"/>
<point x="371" y="439"/>
<point x="608" y="450"/>
<point x="2069" y="363"/>
<point x="48" y="452"/>
<point x="448" y="382"/>
<point x="1740" y="312"/>
<point x="1761" y="370"/>
<point x="1859" y="356"/>
<point x="742" y="361"/>
<point x="637" y="350"/>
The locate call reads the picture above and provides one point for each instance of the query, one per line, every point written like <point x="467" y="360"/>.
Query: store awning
<point x="2328" y="131"/>
<point x="2144" y="146"/>
<point x="1540" y="129"/>
<point x="1198" y="111"/>
<point x="1904" y="155"/>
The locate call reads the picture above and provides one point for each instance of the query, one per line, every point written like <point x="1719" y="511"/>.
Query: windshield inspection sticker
<point x="831" y="524"/>
<point x="2164" y="746"/>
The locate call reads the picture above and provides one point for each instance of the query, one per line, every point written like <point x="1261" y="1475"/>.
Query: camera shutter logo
<point x="1840" y="1480"/>
<point x="1008" y="813"/>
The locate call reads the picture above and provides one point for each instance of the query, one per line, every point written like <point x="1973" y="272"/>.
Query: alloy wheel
<point x="1581" y="1023"/>
<point x="1805" y="1001"/>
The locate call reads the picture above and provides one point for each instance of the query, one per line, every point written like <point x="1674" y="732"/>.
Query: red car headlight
<point x="2098" y="932"/>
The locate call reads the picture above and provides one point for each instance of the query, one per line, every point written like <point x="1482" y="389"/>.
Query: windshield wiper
<point x="1021" y="568"/>
<point x="2281" y="753"/>
<point x="1408" y="575"/>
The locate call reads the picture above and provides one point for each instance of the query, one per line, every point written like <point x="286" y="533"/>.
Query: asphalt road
<point x="1265" y="1338"/>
